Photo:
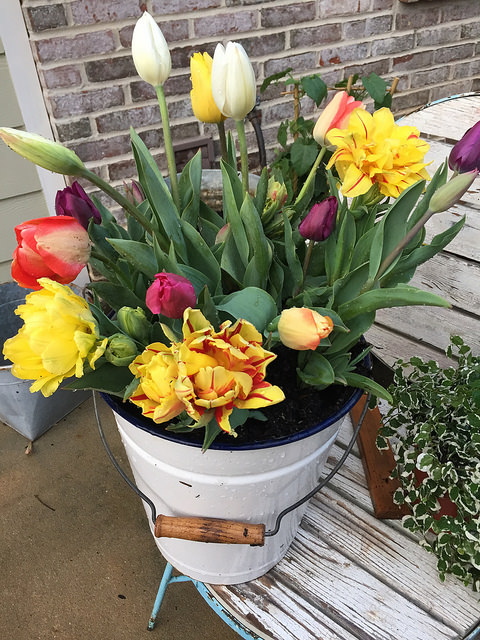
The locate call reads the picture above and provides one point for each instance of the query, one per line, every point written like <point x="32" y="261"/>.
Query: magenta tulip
<point x="73" y="201"/>
<point x="465" y="155"/>
<point x="170" y="294"/>
<point x="319" y="223"/>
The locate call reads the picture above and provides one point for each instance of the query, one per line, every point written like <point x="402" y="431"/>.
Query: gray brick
<point x="412" y="61"/>
<point x="299" y="63"/>
<point x="449" y="54"/>
<point x="123" y="170"/>
<point x="288" y="14"/>
<point x="122" y="120"/>
<point x="368" y="27"/>
<point x="339" y="55"/>
<point x="460" y="10"/>
<point x="330" y="8"/>
<point x="471" y="30"/>
<point x="74" y="130"/>
<point x="440" y="35"/>
<point x="380" y="67"/>
<point x="175" y="85"/>
<point x="59" y="77"/>
<point x="451" y="89"/>
<point x="226" y="23"/>
<point x="393" y="45"/>
<point x="173" y="30"/>
<point x="94" y="11"/>
<point x="86" y="101"/>
<point x="316" y="36"/>
<point x="263" y="45"/>
<point x="110" y="69"/>
<point x="102" y="148"/>
<point x="163" y="7"/>
<point x="425" y="79"/>
<point x="83" y="44"/>
<point x="46" y="17"/>
<point x="410" y="100"/>
<point x="411" y="17"/>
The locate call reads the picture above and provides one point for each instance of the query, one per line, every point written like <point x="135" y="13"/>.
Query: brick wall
<point x="92" y="92"/>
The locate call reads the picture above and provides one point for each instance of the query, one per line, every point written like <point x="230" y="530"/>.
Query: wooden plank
<point x="10" y="115"/>
<point x="449" y="118"/>
<point x="467" y="242"/>
<point x="19" y="176"/>
<point x="378" y="465"/>
<point x="392" y="557"/>
<point x="366" y="605"/>
<point x="273" y="610"/>
<point x="13" y="211"/>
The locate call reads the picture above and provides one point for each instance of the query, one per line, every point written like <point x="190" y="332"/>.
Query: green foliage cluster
<point x="434" y="427"/>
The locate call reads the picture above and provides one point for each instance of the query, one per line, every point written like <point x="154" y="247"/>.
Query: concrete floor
<point x="77" y="560"/>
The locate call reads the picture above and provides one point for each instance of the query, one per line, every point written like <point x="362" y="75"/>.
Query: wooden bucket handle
<point x="209" y="530"/>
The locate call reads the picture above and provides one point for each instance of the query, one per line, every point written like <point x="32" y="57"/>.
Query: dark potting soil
<point x="303" y="408"/>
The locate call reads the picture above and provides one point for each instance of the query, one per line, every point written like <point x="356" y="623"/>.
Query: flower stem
<point x="306" y="262"/>
<point x="311" y="175"/>
<point x="121" y="200"/>
<point x="242" y="143"/>
<point x="167" y="136"/>
<point x="223" y="140"/>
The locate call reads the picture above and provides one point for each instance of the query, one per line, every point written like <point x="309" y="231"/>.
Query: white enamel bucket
<point x="247" y="485"/>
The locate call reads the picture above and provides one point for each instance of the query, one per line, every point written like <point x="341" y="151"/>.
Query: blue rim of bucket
<point x="139" y="421"/>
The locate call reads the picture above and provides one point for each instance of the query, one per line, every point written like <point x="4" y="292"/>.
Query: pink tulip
<point x="335" y="115"/>
<point x="170" y="294"/>
<point x="55" y="247"/>
<point x="302" y="328"/>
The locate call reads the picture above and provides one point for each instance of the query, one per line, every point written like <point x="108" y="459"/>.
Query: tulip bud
<point x="203" y="105"/>
<point x="451" y="192"/>
<point x="134" y="323"/>
<point x="170" y="294"/>
<point x="465" y="155"/>
<point x="133" y="192"/>
<point x="73" y="201"/>
<point x="150" y="52"/>
<point x="233" y="81"/>
<point x="302" y="328"/>
<point x="45" y="153"/>
<point x="335" y="115"/>
<point x="223" y="233"/>
<point x="276" y="198"/>
<point x="121" y="350"/>
<point x="319" y="223"/>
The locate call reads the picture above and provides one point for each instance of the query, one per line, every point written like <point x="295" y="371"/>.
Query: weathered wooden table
<point x="348" y="575"/>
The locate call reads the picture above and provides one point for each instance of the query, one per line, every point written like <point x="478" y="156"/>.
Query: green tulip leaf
<point x="107" y="378"/>
<point x="200" y="255"/>
<point x="252" y="304"/>
<point x="317" y="371"/>
<point x="116" y="295"/>
<point x="367" y="384"/>
<point x="400" y="296"/>
<point x="141" y="256"/>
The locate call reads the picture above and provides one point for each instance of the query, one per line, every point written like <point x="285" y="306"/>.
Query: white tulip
<point x="150" y="52"/>
<point x="233" y="81"/>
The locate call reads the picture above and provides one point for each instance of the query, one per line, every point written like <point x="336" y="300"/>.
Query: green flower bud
<point x="43" y="152"/>
<point x="121" y="350"/>
<point x="134" y="323"/>
<point x="451" y="192"/>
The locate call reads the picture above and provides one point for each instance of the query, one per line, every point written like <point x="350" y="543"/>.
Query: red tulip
<point x="170" y="294"/>
<point x="465" y="155"/>
<point x="319" y="223"/>
<point x="55" y="247"/>
<point x="73" y="201"/>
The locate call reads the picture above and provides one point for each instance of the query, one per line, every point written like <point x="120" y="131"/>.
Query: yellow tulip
<point x="203" y="105"/>
<point x="58" y="335"/>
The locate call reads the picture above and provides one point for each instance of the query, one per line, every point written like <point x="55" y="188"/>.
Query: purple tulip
<point x="170" y="294"/>
<point x="73" y="201"/>
<point x="465" y="155"/>
<point x="319" y="223"/>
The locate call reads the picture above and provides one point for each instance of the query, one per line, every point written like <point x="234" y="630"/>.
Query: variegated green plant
<point x="434" y="428"/>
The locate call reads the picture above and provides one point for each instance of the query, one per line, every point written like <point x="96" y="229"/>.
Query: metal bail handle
<point x="200" y="529"/>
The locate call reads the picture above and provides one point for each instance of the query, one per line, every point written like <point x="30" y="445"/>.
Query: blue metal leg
<point x="226" y="616"/>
